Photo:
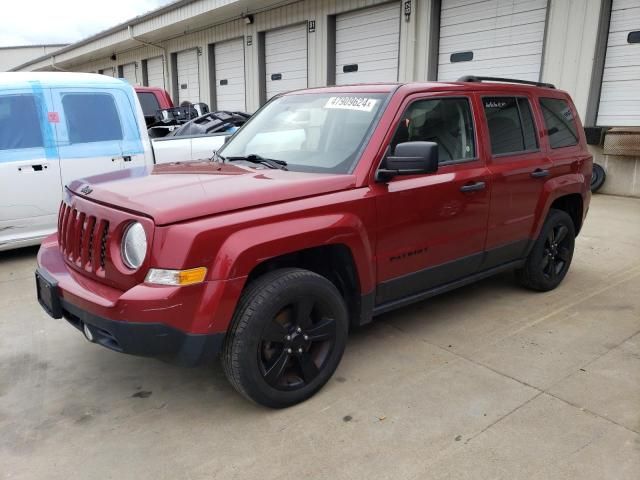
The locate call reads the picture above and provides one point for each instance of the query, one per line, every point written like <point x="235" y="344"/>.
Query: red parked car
<point x="151" y="100"/>
<point x="327" y="208"/>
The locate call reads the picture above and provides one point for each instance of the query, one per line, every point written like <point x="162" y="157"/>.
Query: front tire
<point x="287" y="337"/>
<point x="550" y="257"/>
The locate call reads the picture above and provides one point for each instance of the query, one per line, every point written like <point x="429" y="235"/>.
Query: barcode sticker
<point x="351" y="103"/>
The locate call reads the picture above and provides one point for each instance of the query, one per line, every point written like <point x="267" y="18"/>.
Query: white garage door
<point x="620" y="94"/>
<point x="229" y="60"/>
<point x="129" y="73"/>
<point x="499" y="38"/>
<point x="188" y="76"/>
<point x="155" y="72"/>
<point x="285" y="59"/>
<point x="367" y="43"/>
<point x="108" y="72"/>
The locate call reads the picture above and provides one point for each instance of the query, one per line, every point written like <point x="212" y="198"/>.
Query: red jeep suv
<point x="327" y="208"/>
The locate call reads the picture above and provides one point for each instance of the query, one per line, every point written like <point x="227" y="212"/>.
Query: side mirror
<point x="410" y="158"/>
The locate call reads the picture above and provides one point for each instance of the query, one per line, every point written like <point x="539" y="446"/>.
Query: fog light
<point x="87" y="332"/>
<point x="159" y="276"/>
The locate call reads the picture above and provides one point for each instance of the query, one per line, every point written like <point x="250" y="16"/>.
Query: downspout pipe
<point x="54" y="66"/>
<point x="165" y="54"/>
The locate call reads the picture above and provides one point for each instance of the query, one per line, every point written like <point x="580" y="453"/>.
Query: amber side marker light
<point x="159" y="276"/>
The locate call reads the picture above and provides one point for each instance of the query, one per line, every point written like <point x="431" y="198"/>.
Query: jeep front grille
<point x="83" y="238"/>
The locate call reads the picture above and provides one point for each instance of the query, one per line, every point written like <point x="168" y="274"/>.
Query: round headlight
<point x="134" y="246"/>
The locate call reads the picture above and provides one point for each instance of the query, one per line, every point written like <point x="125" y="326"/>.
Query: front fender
<point x="554" y="188"/>
<point x="243" y="250"/>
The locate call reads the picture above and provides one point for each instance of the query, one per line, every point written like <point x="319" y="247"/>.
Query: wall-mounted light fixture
<point x="407" y="10"/>
<point x="248" y="19"/>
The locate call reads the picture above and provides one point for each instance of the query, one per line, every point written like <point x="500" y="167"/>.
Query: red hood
<point x="175" y="192"/>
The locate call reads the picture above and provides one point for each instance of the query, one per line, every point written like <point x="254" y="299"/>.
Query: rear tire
<point x="551" y="254"/>
<point x="287" y="337"/>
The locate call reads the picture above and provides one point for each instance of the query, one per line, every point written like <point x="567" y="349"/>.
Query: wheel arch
<point x="334" y="246"/>
<point x="569" y="193"/>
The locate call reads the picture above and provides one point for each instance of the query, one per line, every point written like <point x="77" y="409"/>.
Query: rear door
<point x="30" y="188"/>
<point x="519" y="168"/>
<point x="432" y="227"/>
<point x="96" y="133"/>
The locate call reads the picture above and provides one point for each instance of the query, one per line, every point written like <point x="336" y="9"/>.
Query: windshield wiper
<point x="254" y="158"/>
<point x="217" y="156"/>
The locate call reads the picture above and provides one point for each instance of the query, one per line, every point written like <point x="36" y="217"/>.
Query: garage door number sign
<point x="351" y="103"/>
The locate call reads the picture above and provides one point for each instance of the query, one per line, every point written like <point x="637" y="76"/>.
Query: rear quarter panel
<point x="571" y="166"/>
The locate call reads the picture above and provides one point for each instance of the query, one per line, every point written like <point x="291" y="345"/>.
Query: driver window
<point x="445" y="121"/>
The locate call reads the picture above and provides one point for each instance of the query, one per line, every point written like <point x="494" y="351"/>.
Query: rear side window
<point x="561" y="126"/>
<point x="91" y="117"/>
<point x="149" y="103"/>
<point x="511" y="125"/>
<point x="19" y="122"/>
<point x="445" y="121"/>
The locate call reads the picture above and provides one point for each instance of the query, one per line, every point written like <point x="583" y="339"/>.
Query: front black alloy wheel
<point x="297" y="343"/>
<point x="551" y="254"/>
<point x="287" y="337"/>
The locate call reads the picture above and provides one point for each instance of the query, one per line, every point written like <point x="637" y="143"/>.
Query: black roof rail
<point x="473" y="78"/>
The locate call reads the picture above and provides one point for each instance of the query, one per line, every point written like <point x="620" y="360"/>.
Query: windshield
<point x="310" y="132"/>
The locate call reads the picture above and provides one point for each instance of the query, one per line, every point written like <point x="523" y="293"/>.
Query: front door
<point x="432" y="228"/>
<point x="30" y="189"/>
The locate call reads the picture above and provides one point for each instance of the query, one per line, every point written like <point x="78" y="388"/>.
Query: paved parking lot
<point x="490" y="381"/>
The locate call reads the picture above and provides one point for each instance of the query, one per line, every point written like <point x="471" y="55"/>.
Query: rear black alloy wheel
<point x="287" y="337"/>
<point x="551" y="254"/>
<point x="556" y="252"/>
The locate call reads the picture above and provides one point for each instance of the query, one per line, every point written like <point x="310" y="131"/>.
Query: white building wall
<point x="568" y="59"/>
<point x="570" y="47"/>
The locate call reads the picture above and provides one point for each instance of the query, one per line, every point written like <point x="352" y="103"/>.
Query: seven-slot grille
<point x="82" y="238"/>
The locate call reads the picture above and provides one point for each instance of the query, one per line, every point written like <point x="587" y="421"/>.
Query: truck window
<point x="445" y="121"/>
<point x="19" y="122"/>
<point x="149" y="103"/>
<point x="511" y="125"/>
<point x="91" y="117"/>
<point x="561" y="126"/>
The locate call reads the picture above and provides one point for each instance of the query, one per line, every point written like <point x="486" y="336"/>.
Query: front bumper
<point x="146" y="339"/>
<point x="186" y="325"/>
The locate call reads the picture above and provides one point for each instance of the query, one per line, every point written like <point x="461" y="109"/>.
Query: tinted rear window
<point x="511" y="125"/>
<point x="561" y="126"/>
<point x="19" y="122"/>
<point x="91" y="117"/>
<point x="149" y="103"/>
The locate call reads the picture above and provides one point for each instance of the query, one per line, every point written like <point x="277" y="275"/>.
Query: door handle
<point x="127" y="158"/>
<point x="473" y="187"/>
<point x="39" y="167"/>
<point x="539" y="173"/>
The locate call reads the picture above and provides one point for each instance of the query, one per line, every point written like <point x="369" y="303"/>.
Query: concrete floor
<point x="487" y="382"/>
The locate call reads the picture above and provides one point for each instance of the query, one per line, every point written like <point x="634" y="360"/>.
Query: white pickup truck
<point x="56" y="127"/>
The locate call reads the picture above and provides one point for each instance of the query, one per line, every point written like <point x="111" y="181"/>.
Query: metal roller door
<point x="500" y="38"/>
<point x="620" y="94"/>
<point x="129" y="73"/>
<point x="229" y="61"/>
<point x="155" y="72"/>
<point x="285" y="52"/>
<point x="367" y="45"/>
<point x="188" y="76"/>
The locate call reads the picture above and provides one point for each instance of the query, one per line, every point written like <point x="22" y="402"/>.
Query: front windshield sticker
<point x="351" y="103"/>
